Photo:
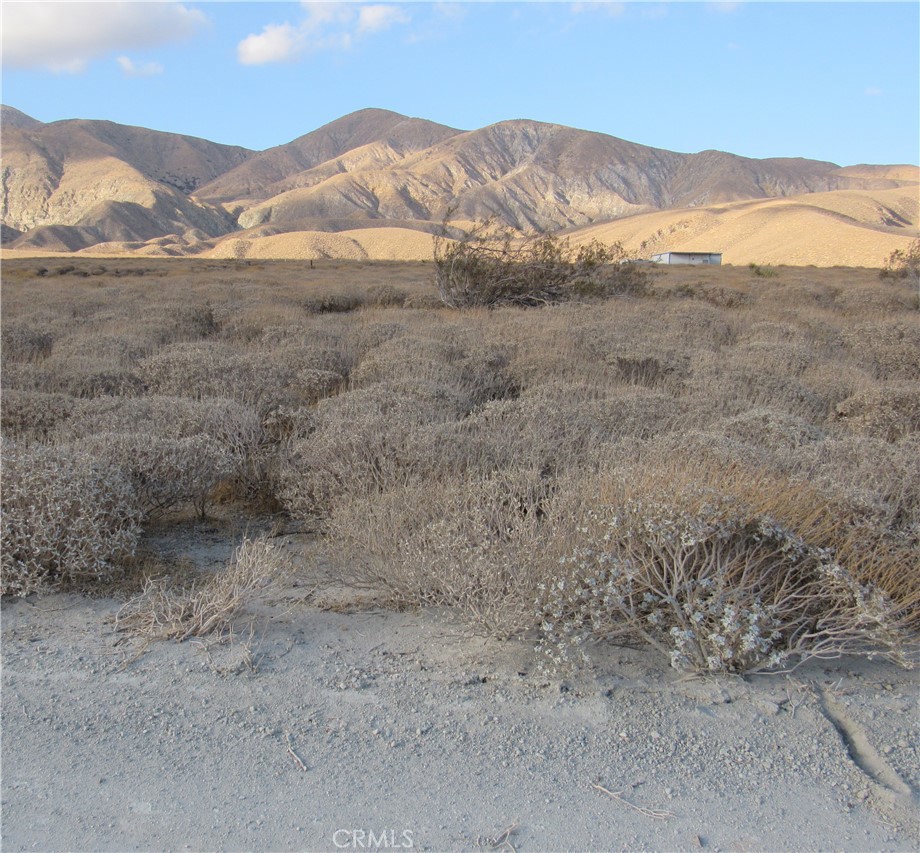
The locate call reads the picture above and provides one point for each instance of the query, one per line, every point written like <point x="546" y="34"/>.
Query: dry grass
<point x="167" y="610"/>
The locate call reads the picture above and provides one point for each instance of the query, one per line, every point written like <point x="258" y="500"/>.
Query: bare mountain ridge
<point x="275" y="170"/>
<point x="11" y="117"/>
<point x="530" y="174"/>
<point x="73" y="184"/>
<point x="106" y="181"/>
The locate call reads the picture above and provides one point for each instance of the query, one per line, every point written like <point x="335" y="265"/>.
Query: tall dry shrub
<point x="485" y="268"/>
<point x="359" y="446"/>
<point x="165" y="472"/>
<point x="468" y="543"/>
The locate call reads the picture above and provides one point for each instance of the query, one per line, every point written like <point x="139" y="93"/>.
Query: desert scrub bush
<point x="359" y="445"/>
<point x="309" y="347"/>
<point x="386" y="296"/>
<point x="227" y="421"/>
<point x="66" y="516"/>
<point x="21" y="341"/>
<point x="368" y="334"/>
<point x="775" y="431"/>
<point x="284" y="373"/>
<point x="232" y="426"/>
<point x="28" y="416"/>
<point x="165" y="472"/>
<point x="215" y="369"/>
<point x="85" y="370"/>
<point x="187" y="322"/>
<point x="487" y="268"/>
<point x="889" y="348"/>
<point x="469" y="543"/>
<point x="879" y="479"/>
<point x="788" y="358"/>
<point x="719" y="385"/>
<point x="904" y="264"/>
<point x="712" y="584"/>
<point x="332" y="302"/>
<point x="889" y="411"/>
<point x="472" y="374"/>
<point x="556" y="429"/>
<point x="762" y="272"/>
<point x="169" y="610"/>
<point x="833" y="382"/>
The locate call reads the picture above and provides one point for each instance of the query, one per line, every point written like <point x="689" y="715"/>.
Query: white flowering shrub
<point x="66" y="516"/>
<point x="711" y="585"/>
<point x="165" y="472"/>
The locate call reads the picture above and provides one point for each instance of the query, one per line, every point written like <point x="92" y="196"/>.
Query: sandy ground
<point x="413" y="734"/>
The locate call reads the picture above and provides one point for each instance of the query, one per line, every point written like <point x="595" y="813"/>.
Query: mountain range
<point x="377" y="184"/>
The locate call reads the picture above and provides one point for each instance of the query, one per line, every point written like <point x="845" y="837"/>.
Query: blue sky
<point x="829" y="81"/>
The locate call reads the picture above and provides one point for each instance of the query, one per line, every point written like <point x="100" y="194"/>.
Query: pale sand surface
<point x="406" y="724"/>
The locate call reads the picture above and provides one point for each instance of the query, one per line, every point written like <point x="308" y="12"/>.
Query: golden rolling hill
<point x="841" y="228"/>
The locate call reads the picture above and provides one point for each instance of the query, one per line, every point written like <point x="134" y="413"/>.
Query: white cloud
<point x="324" y="26"/>
<point x="451" y="11"/>
<point x="274" y="44"/>
<point x="132" y="69"/>
<point x="613" y="10"/>
<point x="374" y="18"/>
<point x="66" y="36"/>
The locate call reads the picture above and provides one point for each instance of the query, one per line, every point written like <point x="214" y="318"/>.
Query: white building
<point x="688" y="258"/>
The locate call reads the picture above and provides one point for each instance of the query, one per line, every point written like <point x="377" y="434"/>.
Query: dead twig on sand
<point x="804" y="691"/>
<point x="654" y="814"/>
<point x="297" y="759"/>
<point x="500" y="841"/>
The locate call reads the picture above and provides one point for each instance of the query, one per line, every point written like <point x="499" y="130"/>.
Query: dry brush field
<point x="725" y="468"/>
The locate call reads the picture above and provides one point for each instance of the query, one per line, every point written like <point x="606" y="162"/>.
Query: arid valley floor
<point x="362" y="695"/>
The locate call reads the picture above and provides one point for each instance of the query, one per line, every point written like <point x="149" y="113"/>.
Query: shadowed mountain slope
<point x="104" y="178"/>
